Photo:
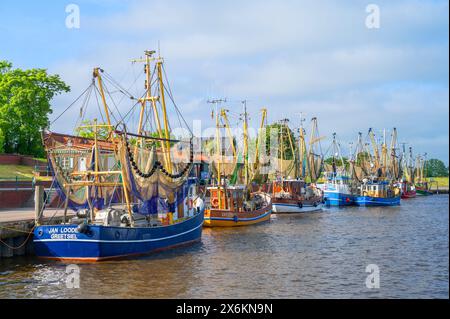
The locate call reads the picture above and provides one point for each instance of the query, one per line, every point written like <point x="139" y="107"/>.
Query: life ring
<point x="215" y="202"/>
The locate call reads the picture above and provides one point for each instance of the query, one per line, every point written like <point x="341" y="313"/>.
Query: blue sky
<point x="315" y="57"/>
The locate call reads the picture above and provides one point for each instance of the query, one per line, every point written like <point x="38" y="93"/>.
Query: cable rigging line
<point x="71" y="104"/>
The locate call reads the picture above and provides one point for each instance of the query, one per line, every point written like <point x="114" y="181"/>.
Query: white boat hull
<point x="278" y="208"/>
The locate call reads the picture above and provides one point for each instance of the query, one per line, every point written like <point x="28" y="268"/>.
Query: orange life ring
<point x="215" y="202"/>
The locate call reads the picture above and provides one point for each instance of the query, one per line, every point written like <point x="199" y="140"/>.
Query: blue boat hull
<point x="338" y="199"/>
<point x="63" y="242"/>
<point x="377" y="201"/>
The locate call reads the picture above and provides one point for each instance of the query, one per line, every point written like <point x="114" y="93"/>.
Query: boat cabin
<point x="286" y="188"/>
<point x="227" y="198"/>
<point x="378" y="190"/>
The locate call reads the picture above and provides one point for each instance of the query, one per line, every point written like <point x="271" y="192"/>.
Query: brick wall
<point x="11" y="199"/>
<point x="16" y="159"/>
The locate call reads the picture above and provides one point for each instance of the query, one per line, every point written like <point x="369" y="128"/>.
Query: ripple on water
<point x="320" y="255"/>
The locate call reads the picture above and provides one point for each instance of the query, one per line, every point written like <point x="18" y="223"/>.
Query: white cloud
<point x="289" y="56"/>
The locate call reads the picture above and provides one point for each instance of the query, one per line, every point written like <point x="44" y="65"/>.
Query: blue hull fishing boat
<point x="337" y="193"/>
<point x="131" y="193"/>
<point x="374" y="193"/>
<point x="376" y="201"/>
<point x="339" y="190"/>
<point x="338" y="199"/>
<point x="97" y="242"/>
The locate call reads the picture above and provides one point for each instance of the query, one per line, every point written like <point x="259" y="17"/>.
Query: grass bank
<point x="22" y="172"/>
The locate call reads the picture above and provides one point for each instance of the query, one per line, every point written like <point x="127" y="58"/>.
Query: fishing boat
<point x="230" y="206"/>
<point x="294" y="195"/>
<point x="339" y="189"/>
<point x="129" y="194"/>
<point x="232" y="201"/>
<point x="377" y="174"/>
<point x="408" y="189"/>
<point x="378" y="193"/>
<point x="422" y="185"/>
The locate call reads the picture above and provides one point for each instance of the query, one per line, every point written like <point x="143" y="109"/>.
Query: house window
<point x="67" y="162"/>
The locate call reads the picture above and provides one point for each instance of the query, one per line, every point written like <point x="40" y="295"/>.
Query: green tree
<point x="435" y="168"/>
<point x="338" y="161"/>
<point x="275" y="128"/>
<point x="25" y="97"/>
<point x="86" y="129"/>
<point x="2" y="141"/>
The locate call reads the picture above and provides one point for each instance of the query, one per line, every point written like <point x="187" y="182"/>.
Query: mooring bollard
<point x="38" y="203"/>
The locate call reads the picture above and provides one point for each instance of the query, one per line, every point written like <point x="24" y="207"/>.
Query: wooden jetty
<point x="16" y="226"/>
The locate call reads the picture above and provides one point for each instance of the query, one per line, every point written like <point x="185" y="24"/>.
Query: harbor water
<point x="316" y="255"/>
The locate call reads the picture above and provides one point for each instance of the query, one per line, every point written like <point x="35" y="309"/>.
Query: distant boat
<point x="423" y="189"/>
<point x="422" y="185"/>
<point x="339" y="188"/>
<point x="338" y="192"/>
<point x="373" y="193"/>
<point x="408" y="190"/>
<point x="294" y="196"/>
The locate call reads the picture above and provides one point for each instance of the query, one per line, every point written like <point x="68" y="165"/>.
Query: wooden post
<point x="38" y="203"/>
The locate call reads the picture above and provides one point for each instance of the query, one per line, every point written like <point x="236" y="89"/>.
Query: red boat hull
<point x="410" y="194"/>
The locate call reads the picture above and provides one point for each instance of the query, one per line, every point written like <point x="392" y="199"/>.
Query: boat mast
<point x="376" y="152"/>
<point x="163" y="106"/>
<point x="246" y="179"/>
<point x="302" y="148"/>
<point x="152" y="99"/>
<point x="258" y="138"/>
<point x="102" y="94"/>
<point x="223" y="113"/>
<point x="393" y="167"/>
<point x="384" y="155"/>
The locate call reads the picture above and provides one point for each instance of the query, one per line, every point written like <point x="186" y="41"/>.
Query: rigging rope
<point x="71" y="104"/>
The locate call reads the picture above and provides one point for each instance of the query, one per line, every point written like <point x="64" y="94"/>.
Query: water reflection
<point x="308" y="256"/>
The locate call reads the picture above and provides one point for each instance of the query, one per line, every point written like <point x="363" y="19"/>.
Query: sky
<point x="318" y="58"/>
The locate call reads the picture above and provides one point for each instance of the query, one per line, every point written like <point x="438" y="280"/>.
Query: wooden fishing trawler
<point x="232" y="201"/>
<point x="377" y="182"/>
<point x="294" y="195"/>
<point x="129" y="195"/>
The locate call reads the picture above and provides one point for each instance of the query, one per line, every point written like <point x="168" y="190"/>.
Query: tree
<point x="86" y="129"/>
<point x="2" y="141"/>
<point x="435" y="168"/>
<point x="25" y="97"/>
<point x="275" y="128"/>
<point x="338" y="161"/>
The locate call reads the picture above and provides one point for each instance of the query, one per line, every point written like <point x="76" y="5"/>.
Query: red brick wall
<point x="16" y="159"/>
<point x="10" y="159"/>
<point x="10" y="199"/>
